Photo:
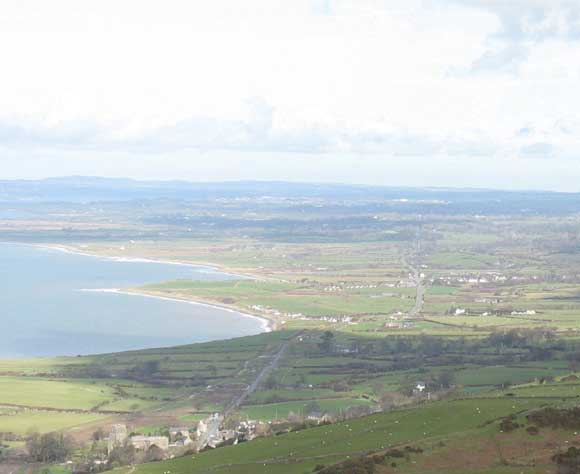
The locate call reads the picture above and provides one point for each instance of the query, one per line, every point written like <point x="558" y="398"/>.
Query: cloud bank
<point x="479" y="81"/>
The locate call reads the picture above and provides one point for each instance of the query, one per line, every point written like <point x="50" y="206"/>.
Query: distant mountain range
<point x="91" y="189"/>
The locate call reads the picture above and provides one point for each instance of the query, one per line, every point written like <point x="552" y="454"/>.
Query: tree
<point x="146" y="368"/>
<point x="154" y="453"/>
<point x="122" y="455"/>
<point x="212" y="369"/>
<point x="390" y="400"/>
<point x="271" y="382"/>
<point x="99" y="435"/>
<point x="312" y="408"/>
<point x="445" y="379"/>
<point x="50" y="447"/>
<point x="568" y="462"/>
<point x="326" y="344"/>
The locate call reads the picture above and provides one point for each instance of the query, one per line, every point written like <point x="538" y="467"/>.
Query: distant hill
<point x="91" y="189"/>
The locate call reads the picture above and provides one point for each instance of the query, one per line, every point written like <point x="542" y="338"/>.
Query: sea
<point x="57" y="303"/>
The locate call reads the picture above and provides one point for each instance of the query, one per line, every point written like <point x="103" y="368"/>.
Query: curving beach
<point x="109" y="317"/>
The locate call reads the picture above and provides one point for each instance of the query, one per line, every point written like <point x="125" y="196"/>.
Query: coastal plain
<point x="368" y="302"/>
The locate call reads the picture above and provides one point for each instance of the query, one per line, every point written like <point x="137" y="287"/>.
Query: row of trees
<point x="49" y="447"/>
<point x="434" y="346"/>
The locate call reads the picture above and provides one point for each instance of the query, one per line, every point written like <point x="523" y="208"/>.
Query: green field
<point x="273" y="411"/>
<point x="289" y="299"/>
<point x="513" y="279"/>
<point x="27" y="421"/>
<point x="300" y="452"/>
<point x="53" y="393"/>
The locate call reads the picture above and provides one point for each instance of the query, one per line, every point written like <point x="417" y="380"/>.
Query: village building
<point x="144" y="443"/>
<point x="320" y="418"/>
<point x="180" y="436"/>
<point x="119" y="437"/>
<point x="420" y="388"/>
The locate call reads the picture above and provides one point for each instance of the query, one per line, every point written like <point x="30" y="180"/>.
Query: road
<point x="215" y="421"/>
<point x="258" y="380"/>
<point x="213" y="426"/>
<point x="420" y="287"/>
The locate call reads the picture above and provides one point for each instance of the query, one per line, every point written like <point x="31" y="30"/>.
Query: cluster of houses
<point x="489" y="300"/>
<point x="359" y="286"/>
<point x="411" y="283"/>
<point x="465" y="311"/>
<point x="488" y="277"/>
<point x="181" y="438"/>
<point x="398" y="320"/>
<point x="300" y="316"/>
<point x="394" y="323"/>
<point x="274" y="312"/>
<point x="178" y="437"/>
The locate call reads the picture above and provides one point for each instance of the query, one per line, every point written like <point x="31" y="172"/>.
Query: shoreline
<point x="268" y="325"/>
<point x="214" y="268"/>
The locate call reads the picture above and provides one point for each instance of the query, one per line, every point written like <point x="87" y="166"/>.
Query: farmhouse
<point x="419" y="388"/>
<point x="145" y="443"/>
<point x="119" y="437"/>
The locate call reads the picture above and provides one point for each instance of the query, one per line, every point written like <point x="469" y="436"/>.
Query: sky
<point x="465" y="93"/>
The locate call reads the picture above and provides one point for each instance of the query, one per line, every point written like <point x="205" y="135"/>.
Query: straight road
<point x="258" y="380"/>
<point x="215" y="421"/>
<point x="420" y="294"/>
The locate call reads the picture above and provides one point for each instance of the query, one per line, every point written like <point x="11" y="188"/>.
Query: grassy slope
<point x="53" y="393"/>
<point x="26" y="421"/>
<point x="430" y="425"/>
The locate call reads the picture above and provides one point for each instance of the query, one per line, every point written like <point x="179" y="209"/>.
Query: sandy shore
<point x="209" y="267"/>
<point x="268" y="325"/>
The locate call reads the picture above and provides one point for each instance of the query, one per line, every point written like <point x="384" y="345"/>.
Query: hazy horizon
<point x="287" y="181"/>
<point x="403" y="93"/>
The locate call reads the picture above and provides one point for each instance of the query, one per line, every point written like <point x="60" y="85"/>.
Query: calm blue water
<point x="43" y="313"/>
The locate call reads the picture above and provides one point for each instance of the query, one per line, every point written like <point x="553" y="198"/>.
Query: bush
<point x="508" y="424"/>
<point x="49" y="448"/>
<point x="568" y="418"/>
<point x="354" y="466"/>
<point x="568" y="462"/>
<point x="533" y="430"/>
<point x="413" y="449"/>
<point x="395" y="453"/>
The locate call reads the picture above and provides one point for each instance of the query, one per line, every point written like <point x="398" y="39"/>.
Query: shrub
<point x="50" y="447"/>
<point x="568" y="418"/>
<point x="568" y="462"/>
<point x="508" y="424"/>
<point x="533" y="430"/>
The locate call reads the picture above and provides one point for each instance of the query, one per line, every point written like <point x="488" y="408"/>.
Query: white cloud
<point x="393" y="79"/>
